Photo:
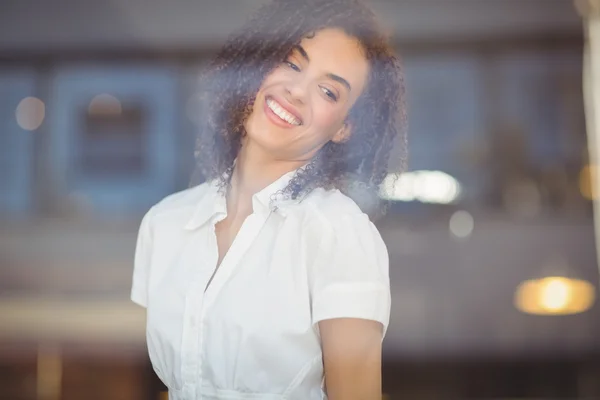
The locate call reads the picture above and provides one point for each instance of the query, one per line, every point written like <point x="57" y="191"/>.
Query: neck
<point x="253" y="172"/>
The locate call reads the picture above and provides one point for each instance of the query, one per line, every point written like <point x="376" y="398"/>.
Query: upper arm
<point x="352" y="358"/>
<point x="350" y="275"/>
<point x="351" y="301"/>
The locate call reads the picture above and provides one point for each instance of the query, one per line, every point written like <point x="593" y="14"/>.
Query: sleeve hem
<point x="370" y="302"/>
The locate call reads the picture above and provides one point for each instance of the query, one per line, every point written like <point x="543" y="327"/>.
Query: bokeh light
<point x="434" y="187"/>
<point x="554" y="295"/>
<point x="586" y="179"/>
<point x="461" y="224"/>
<point x="30" y="113"/>
<point x="105" y="104"/>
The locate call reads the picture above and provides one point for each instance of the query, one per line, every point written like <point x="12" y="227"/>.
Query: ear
<point x="343" y="134"/>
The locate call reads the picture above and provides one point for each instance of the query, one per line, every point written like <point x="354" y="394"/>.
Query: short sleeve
<point x="350" y="276"/>
<point x="141" y="264"/>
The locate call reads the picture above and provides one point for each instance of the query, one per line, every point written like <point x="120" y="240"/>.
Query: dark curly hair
<point x="356" y="166"/>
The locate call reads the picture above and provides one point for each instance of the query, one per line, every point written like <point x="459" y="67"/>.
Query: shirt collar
<point x="210" y="204"/>
<point x="213" y="202"/>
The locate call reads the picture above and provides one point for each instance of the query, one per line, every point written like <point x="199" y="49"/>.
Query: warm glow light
<point x="30" y="113"/>
<point x="424" y="186"/>
<point x="49" y="372"/>
<point x="586" y="182"/>
<point x="105" y="104"/>
<point x="554" y="295"/>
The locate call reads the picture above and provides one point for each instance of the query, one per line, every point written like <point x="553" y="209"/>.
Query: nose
<point x="297" y="90"/>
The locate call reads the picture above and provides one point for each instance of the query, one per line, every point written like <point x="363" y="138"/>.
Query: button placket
<point x="191" y="356"/>
<point x="200" y="310"/>
<point x="189" y="359"/>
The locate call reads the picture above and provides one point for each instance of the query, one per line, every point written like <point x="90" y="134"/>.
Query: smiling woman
<point x="268" y="281"/>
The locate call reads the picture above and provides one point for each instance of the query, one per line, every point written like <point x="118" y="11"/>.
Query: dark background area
<point x="98" y="102"/>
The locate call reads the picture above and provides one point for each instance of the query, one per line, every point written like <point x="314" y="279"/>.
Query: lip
<point x="286" y="107"/>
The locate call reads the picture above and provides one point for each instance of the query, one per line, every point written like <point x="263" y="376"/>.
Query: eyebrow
<point x="340" y="80"/>
<point x="302" y="52"/>
<point x="331" y="76"/>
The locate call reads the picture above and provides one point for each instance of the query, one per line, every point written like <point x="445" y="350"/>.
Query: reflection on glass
<point x="424" y="186"/>
<point x="554" y="295"/>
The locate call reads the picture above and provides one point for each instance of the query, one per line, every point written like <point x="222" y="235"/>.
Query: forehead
<point x="334" y="51"/>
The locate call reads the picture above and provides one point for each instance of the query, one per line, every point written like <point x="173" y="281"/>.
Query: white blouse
<point x="253" y="333"/>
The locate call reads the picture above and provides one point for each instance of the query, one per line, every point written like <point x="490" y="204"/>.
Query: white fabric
<point x="254" y="334"/>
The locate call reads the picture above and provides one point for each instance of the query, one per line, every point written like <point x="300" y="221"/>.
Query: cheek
<point x="327" y="118"/>
<point x="276" y="76"/>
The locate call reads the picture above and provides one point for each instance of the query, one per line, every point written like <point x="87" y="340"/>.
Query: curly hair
<point x="355" y="166"/>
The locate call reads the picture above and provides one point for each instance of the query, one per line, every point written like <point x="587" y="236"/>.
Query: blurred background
<point x="491" y="232"/>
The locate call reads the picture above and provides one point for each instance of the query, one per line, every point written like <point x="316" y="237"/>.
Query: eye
<point x="329" y="93"/>
<point x="292" y="65"/>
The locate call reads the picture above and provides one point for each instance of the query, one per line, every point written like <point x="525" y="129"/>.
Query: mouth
<point x="281" y="114"/>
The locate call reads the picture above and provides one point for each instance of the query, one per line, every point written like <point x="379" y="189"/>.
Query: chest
<point x="249" y="259"/>
<point x="260" y="290"/>
<point x="225" y="234"/>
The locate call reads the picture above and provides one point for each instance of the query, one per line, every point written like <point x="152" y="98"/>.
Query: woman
<point x="267" y="282"/>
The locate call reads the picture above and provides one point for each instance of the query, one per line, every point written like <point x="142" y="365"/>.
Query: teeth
<point x="281" y="113"/>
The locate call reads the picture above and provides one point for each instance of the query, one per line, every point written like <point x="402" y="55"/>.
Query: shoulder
<point x="178" y="207"/>
<point x="331" y="206"/>
<point x="349" y="271"/>
<point x="330" y="213"/>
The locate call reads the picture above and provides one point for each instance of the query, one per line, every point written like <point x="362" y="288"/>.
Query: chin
<point x="266" y="139"/>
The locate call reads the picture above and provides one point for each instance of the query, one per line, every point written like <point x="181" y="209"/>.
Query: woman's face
<point x="302" y="103"/>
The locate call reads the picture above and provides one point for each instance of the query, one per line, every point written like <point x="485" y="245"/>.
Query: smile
<point x="282" y="113"/>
